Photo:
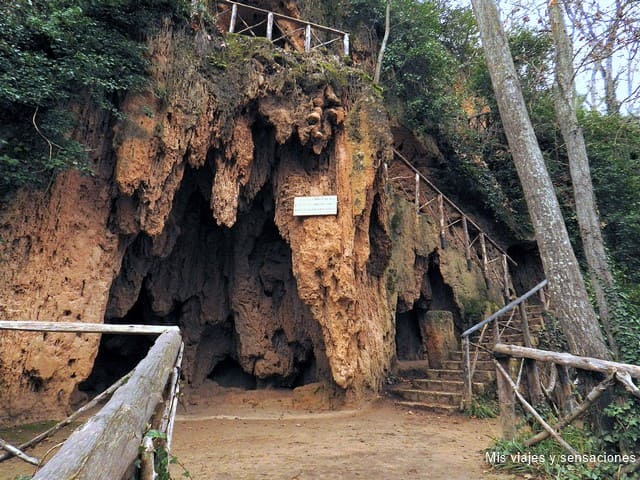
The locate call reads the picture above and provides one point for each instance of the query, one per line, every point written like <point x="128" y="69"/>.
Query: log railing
<point x="107" y="445"/>
<point x="468" y="365"/>
<point x="276" y="27"/>
<point x="455" y="225"/>
<point x="509" y="390"/>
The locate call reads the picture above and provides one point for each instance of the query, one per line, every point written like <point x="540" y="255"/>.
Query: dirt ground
<point x="290" y="436"/>
<point x="294" y="435"/>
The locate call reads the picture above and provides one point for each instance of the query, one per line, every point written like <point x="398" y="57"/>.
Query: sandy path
<point x="380" y="441"/>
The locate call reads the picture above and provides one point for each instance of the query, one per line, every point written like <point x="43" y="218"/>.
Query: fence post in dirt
<point x="467" y="242"/>
<point x="234" y="17"/>
<point x="345" y="44"/>
<point x="270" y="26"/>
<point x="307" y="38"/>
<point x="108" y="443"/>
<point x="507" y="401"/>
<point x="443" y="239"/>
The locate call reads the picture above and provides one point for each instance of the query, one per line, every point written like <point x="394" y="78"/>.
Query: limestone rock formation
<point x="189" y="222"/>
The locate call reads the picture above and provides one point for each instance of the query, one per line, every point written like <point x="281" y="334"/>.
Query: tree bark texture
<point x="108" y="443"/>
<point x="586" y="208"/>
<point x="566" y="284"/>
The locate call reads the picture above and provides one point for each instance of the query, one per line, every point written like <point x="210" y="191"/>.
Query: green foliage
<point x="481" y="408"/>
<point x="53" y="53"/>
<point x="162" y="459"/>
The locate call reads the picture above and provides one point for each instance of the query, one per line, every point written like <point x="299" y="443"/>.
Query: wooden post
<point x="563" y="396"/>
<point x="505" y="278"/>
<point x="345" y="44"/>
<point x="108" y="443"/>
<point x="443" y="238"/>
<point x="507" y="402"/>
<point x="466" y="369"/>
<point x="533" y="376"/>
<point x="234" y="16"/>
<point x="270" y="26"/>
<point x="307" y="38"/>
<point x="543" y="300"/>
<point x="386" y="177"/>
<point x="467" y="242"/>
<point x="417" y="196"/>
<point x="485" y="260"/>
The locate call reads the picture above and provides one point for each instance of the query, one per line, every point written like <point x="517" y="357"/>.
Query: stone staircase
<point x="441" y="390"/>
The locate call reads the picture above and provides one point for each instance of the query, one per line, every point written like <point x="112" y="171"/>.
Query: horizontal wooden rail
<point x="452" y="204"/>
<point x="81" y="327"/>
<point x="584" y="363"/>
<point x="108" y="443"/>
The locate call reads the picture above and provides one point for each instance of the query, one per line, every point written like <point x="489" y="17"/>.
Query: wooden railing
<point x="509" y="390"/>
<point x="257" y="22"/>
<point x="454" y="222"/>
<point x="107" y="445"/>
<point x="468" y="365"/>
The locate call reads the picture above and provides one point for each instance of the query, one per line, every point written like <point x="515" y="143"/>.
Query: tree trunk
<point x="383" y="45"/>
<point x="586" y="209"/>
<point x="566" y="285"/>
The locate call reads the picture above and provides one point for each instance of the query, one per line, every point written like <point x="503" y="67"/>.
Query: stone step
<point x="435" y="408"/>
<point x="441" y="374"/>
<point x="411" y="368"/>
<point x="457" y="364"/>
<point x="428" y="396"/>
<point x="446" y="385"/>
<point x="482" y="355"/>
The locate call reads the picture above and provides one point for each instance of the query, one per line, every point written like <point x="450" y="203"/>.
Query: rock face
<point x="189" y="221"/>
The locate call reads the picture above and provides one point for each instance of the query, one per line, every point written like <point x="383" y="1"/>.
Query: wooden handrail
<point x="81" y="327"/>
<point x="505" y="309"/>
<point x="285" y="17"/>
<point x="452" y="204"/>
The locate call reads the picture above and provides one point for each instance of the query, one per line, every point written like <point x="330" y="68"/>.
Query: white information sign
<point x="320" y="205"/>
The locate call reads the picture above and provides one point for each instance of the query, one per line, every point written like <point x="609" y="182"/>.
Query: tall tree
<point x="567" y="289"/>
<point x="586" y="209"/>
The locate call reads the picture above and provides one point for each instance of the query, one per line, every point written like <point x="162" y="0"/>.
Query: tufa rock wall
<point x="189" y="221"/>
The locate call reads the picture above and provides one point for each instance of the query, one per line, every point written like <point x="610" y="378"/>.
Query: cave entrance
<point x="435" y="294"/>
<point x="230" y="290"/>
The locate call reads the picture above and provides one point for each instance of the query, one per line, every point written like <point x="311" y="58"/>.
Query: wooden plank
<point x="80" y="327"/>
<point x="108" y="443"/>
<point x="585" y="363"/>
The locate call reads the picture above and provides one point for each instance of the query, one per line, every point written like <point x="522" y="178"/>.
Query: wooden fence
<point x="107" y="445"/>
<point x="281" y="29"/>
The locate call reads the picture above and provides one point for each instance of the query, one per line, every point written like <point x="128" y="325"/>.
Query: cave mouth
<point x="230" y="290"/>
<point x="409" y="341"/>
<point x="435" y="294"/>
